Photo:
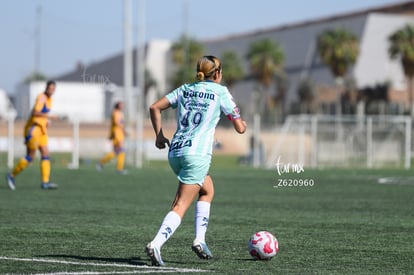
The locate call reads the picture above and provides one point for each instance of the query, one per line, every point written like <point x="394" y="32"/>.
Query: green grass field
<point x="99" y="223"/>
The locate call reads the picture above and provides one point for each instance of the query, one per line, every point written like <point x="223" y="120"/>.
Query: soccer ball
<point x="263" y="245"/>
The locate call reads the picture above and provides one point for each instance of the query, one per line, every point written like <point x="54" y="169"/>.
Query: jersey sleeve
<point x="40" y="102"/>
<point x="173" y="97"/>
<point x="228" y="106"/>
<point x="117" y="119"/>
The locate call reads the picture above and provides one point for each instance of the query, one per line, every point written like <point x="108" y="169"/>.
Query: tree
<point x="266" y="58"/>
<point x="351" y="97"/>
<point x="232" y="68"/>
<point x="338" y="50"/>
<point x="402" y="47"/>
<point x="282" y="85"/>
<point x="306" y="91"/>
<point x="185" y="53"/>
<point x="35" y="76"/>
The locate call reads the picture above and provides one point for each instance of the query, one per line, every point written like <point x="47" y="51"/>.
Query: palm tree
<point x="306" y="91"/>
<point x="402" y="47"/>
<point x="351" y="96"/>
<point x="35" y="76"/>
<point x="338" y="49"/>
<point x="232" y="68"/>
<point x="185" y="53"/>
<point x="282" y="86"/>
<point x="266" y="58"/>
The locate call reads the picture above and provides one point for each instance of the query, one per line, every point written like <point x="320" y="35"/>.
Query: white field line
<point x="396" y="180"/>
<point x="108" y="272"/>
<point x="148" y="268"/>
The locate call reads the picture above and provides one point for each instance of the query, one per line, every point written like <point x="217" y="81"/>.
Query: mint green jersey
<point x="199" y="106"/>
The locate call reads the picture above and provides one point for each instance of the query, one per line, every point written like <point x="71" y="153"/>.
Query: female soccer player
<point x="117" y="135"/>
<point x="36" y="138"/>
<point x="198" y="111"/>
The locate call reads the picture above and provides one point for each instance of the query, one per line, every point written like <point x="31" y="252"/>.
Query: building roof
<point x="299" y="44"/>
<point x="109" y="70"/>
<point x="403" y="7"/>
<point x="298" y="40"/>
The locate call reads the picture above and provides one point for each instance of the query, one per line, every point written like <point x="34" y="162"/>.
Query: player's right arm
<point x="155" y="113"/>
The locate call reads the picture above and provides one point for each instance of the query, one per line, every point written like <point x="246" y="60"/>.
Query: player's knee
<point x="28" y="158"/>
<point x="31" y="154"/>
<point x="119" y="150"/>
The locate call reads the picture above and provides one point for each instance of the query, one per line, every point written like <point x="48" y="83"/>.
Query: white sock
<point x="170" y="223"/>
<point x="201" y="216"/>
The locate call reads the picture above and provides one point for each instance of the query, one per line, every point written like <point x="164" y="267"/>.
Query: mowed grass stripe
<point x="346" y="223"/>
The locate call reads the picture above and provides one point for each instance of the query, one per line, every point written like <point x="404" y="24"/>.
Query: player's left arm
<point x="37" y="109"/>
<point x="230" y="109"/>
<point x="155" y="113"/>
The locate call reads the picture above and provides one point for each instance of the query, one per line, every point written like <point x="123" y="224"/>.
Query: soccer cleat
<point x="202" y="251"/>
<point x="11" y="182"/>
<point x="48" y="185"/>
<point x="99" y="167"/>
<point x="155" y="255"/>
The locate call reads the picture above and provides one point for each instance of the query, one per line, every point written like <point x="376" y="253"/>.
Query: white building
<point x="5" y="104"/>
<point x="84" y="101"/>
<point x="299" y="43"/>
<point x="374" y="64"/>
<point x="106" y="79"/>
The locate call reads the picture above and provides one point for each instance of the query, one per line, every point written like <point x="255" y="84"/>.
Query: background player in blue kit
<point x="199" y="106"/>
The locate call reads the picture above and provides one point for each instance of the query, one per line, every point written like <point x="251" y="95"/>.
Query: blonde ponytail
<point x="207" y="66"/>
<point x="200" y="76"/>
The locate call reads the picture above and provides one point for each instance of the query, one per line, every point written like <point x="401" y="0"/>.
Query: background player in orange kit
<point x="36" y="138"/>
<point x="117" y="135"/>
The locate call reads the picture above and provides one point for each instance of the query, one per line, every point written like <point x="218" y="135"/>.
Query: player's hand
<point x="53" y="117"/>
<point x="160" y="141"/>
<point x="239" y="125"/>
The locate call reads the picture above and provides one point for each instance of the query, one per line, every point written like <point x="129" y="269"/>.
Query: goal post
<point x="75" y="144"/>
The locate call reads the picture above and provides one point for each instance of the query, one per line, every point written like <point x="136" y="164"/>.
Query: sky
<point x="87" y="31"/>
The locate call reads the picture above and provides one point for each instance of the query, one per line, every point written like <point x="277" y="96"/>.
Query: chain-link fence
<point x="320" y="141"/>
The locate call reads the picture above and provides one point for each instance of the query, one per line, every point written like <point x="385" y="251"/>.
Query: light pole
<point x="128" y="99"/>
<point x="140" y="61"/>
<point x="37" y="40"/>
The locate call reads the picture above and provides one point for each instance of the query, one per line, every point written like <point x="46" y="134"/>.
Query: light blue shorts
<point x="190" y="169"/>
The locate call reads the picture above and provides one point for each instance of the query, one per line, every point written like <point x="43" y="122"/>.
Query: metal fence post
<point x="369" y="142"/>
<point x="407" y="155"/>
<point x="314" y="133"/>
